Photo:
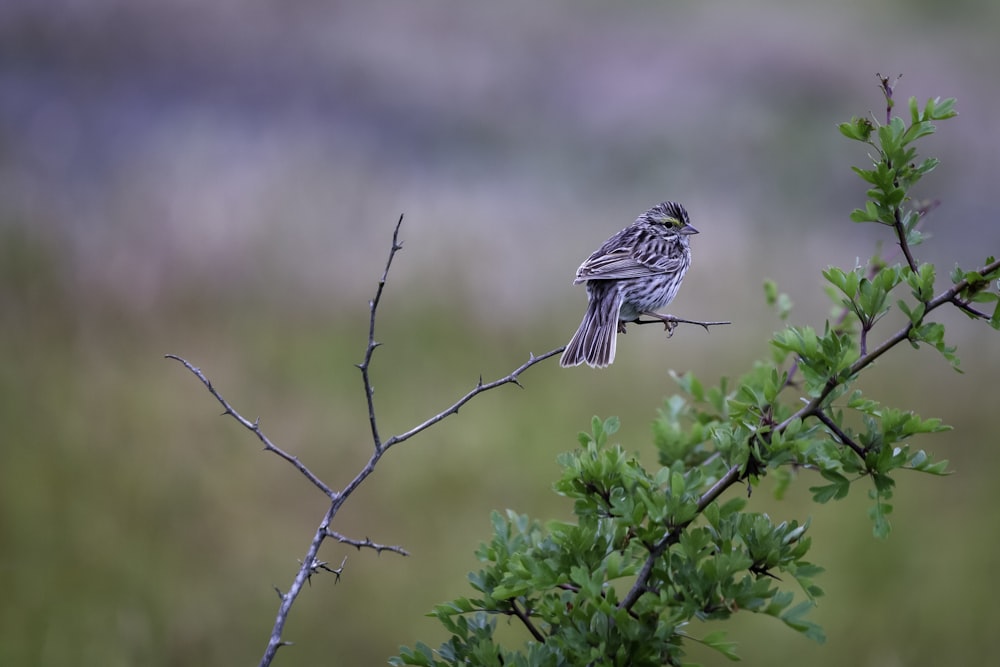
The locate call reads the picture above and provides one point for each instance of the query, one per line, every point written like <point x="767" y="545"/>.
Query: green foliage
<point x="656" y="557"/>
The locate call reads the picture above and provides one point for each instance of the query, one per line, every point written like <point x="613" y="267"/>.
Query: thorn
<point x="281" y="595"/>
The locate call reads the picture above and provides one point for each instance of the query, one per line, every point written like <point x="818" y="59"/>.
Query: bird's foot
<point x="669" y="322"/>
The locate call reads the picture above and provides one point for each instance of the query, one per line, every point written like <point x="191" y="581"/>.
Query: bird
<point x="636" y="272"/>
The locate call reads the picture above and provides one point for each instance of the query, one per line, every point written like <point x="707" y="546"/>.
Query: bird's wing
<point x="625" y="262"/>
<point x="613" y="265"/>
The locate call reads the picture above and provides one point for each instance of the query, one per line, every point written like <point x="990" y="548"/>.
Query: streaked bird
<point x="636" y="272"/>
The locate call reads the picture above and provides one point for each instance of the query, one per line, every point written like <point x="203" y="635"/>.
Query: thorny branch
<point x="670" y="322"/>
<point x="311" y="564"/>
<point x="254" y="427"/>
<point x="358" y="544"/>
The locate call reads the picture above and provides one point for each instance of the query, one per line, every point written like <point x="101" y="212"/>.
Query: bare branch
<point x="670" y="322"/>
<point x="254" y="426"/>
<point x="322" y="565"/>
<point x="311" y="564"/>
<point x="358" y="544"/>
<point x="901" y="239"/>
<point x="301" y="578"/>
<point x="372" y="309"/>
<point x="511" y="378"/>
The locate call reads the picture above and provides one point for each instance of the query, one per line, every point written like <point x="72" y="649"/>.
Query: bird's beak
<point x="688" y="229"/>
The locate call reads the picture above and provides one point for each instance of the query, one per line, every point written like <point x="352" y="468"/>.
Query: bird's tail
<point x="594" y="342"/>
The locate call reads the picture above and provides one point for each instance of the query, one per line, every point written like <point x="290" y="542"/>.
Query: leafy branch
<point x="652" y="551"/>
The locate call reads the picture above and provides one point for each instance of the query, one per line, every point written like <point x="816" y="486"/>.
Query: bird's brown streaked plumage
<point x="636" y="271"/>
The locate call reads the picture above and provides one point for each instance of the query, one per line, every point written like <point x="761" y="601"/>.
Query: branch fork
<point x="311" y="564"/>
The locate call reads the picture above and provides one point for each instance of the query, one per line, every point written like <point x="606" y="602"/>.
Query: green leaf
<point x="879" y="514"/>
<point x="770" y="292"/>
<point x="859" y="129"/>
<point x="921" y="462"/>
<point x="778" y="299"/>
<point x="795" y="619"/>
<point x="677" y="485"/>
<point x="866" y="174"/>
<point x="916" y="314"/>
<point x="938" y="109"/>
<point x="927" y="166"/>
<point x="858" y="215"/>
<point x="717" y="640"/>
<point x="597" y="429"/>
<point x="838" y="489"/>
<point x="918" y="130"/>
<point x="845" y="281"/>
<point x="933" y="334"/>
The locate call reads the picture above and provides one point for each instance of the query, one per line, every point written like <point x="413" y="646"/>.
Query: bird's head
<point x="671" y="215"/>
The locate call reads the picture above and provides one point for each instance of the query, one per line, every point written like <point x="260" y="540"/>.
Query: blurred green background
<point x="220" y="181"/>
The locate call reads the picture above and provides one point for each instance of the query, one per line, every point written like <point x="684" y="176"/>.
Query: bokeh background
<point x="220" y="180"/>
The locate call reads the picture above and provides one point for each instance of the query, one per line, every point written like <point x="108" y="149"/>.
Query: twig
<point x="670" y="322"/>
<point x="523" y="617"/>
<point x="370" y="350"/>
<point x="837" y="431"/>
<point x="887" y="90"/>
<point x="969" y="310"/>
<point x="254" y="426"/>
<point x="358" y="544"/>
<point x="901" y="239"/>
<point x="318" y="565"/>
<point x="511" y="378"/>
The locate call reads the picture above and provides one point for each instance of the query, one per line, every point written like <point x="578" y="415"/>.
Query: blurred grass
<point x="138" y="527"/>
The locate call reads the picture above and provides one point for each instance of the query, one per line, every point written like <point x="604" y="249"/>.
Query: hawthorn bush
<point x="650" y="551"/>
